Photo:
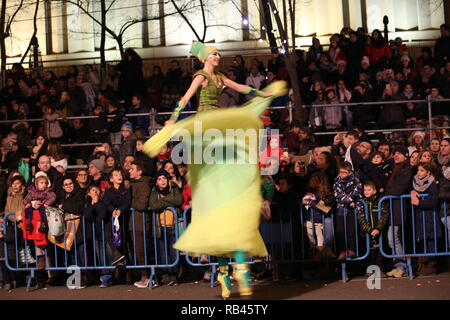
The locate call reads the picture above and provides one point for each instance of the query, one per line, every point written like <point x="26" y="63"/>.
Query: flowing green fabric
<point x="226" y="200"/>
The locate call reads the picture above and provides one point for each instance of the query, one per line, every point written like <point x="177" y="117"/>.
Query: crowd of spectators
<point x="328" y="177"/>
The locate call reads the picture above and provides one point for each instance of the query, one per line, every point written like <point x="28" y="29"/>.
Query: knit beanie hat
<point x="127" y="125"/>
<point x="201" y="51"/>
<point x="419" y="133"/>
<point x="365" y="59"/>
<point x="42" y="174"/>
<point x="162" y="172"/>
<point x="99" y="164"/>
<point x="402" y="149"/>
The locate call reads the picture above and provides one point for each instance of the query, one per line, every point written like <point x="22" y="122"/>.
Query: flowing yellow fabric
<point x="226" y="200"/>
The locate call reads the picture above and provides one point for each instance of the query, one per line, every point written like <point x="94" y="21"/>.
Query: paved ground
<point x="422" y="288"/>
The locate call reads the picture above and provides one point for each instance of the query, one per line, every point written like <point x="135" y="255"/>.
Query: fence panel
<point x="88" y="244"/>
<point x="422" y="232"/>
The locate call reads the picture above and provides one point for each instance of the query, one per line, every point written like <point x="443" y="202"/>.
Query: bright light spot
<point x="283" y="51"/>
<point x="264" y="27"/>
<point x="284" y="41"/>
<point x="273" y="30"/>
<point x="275" y="11"/>
<point x="245" y="21"/>
<point x="260" y="40"/>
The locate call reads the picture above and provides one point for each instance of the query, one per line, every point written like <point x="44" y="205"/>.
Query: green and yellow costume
<point x="226" y="200"/>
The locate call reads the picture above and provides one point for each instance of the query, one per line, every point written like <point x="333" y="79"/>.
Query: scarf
<point x="164" y="191"/>
<point x="420" y="185"/>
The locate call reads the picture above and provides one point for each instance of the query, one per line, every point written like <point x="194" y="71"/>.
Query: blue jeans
<point x="448" y="228"/>
<point x="394" y="236"/>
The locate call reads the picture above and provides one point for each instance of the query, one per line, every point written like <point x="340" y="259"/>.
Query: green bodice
<point x="208" y="97"/>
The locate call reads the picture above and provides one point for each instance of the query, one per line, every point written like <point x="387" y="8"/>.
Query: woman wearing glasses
<point x="71" y="200"/>
<point x="226" y="202"/>
<point x="81" y="179"/>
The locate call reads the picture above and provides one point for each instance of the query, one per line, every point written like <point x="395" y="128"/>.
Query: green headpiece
<point x="201" y="51"/>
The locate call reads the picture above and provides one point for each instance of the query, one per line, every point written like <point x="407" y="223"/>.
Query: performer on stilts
<point x="226" y="200"/>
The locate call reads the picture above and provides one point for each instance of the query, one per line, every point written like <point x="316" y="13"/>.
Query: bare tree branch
<point x="186" y="20"/>
<point x="11" y="19"/>
<point x="34" y="32"/>
<point x="112" y="3"/>
<point x="204" y="21"/>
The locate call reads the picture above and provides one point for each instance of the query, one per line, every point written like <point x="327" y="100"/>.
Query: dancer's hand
<point x="268" y="94"/>
<point x="169" y="122"/>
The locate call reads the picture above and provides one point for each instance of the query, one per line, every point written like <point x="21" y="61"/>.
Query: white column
<point x="80" y="30"/>
<point x="305" y="18"/>
<point x="123" y="12"/>
<point x="229" y="15"/>
<point x="431" y="13"/>
<point x="329" y="17"/>
<point x="254" y="18"/>
<point x="177" y="30"/>
<point x="57" y="28"/>
<point x="355" y="14"/>
<point x="376" y="10"/>
<point x="153" y="25"/>
<point x="406" y="16"/>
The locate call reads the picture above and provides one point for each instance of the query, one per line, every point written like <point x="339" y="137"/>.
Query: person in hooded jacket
<point x="140" y="190"/>
<point x="162" y="197"/>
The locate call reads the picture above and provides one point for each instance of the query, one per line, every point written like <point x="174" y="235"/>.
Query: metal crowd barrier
<point x="285" y="239"/>
<point x="93" y="248"/>
<point x="405" y="241"/>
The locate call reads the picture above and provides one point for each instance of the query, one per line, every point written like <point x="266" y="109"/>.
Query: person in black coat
<point x="131" y="80"/>
<point x="116" y="202"/>
<point x="398" y="184"/>
<point x="442" y="46"/>
<point x="354" y="52"/>
<point x="71" y="201"/>
<point x="98" y="127"/>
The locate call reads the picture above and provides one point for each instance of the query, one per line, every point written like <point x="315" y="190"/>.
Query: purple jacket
<point x="47" y="196"/>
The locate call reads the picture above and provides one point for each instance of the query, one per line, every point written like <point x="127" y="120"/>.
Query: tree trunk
<point x="34" y="32"/>
<point x="299" y="112"/>
<point x="2" y="43"/>
<point x="102" y="46"/>
<point x="292" y="16"/>
<point x="119" y="40"/>
<point x="269" y="27"/>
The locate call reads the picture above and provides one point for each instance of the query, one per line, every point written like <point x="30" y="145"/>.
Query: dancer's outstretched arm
<point x="196" y="83"/>
<point x="244" y="89"/>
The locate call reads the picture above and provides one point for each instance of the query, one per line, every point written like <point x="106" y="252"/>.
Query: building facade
<point x="67" y="32"/>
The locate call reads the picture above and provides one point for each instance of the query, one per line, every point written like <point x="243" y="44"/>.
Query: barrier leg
<point x="410" y="271"/>
<point x="30" y="278"/>
<point x="344" y="272"/>
<point x="152" y="276"/>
